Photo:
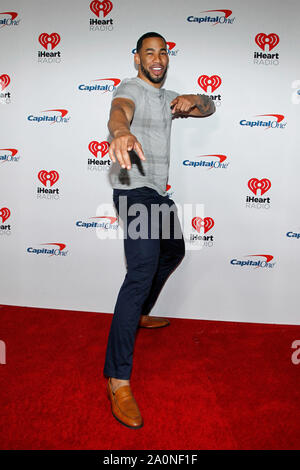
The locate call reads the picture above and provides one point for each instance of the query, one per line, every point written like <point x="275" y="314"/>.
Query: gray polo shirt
<point x="151" y="125"/>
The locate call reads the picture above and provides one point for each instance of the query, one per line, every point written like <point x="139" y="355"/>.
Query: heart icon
<point x="53" y="39"/>
<point x="4" y="214"/>
<point x="204" y="81"/>
<point x="96" y="6"/>
<point x="4" y="81"/>
<point x="44" y="176"/>
<point x="207" y="223"/>
<point x="102" y="147"/>
<point x="263" y="39"/>
<point x="264" y="185"/>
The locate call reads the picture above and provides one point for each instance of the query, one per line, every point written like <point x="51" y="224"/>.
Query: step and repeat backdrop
<point x="234" y="175"/>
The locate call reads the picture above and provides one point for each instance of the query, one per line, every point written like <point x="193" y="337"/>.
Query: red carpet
<point x="199" y="384"/>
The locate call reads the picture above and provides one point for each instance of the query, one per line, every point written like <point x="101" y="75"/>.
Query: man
<point x="140" y="124"/>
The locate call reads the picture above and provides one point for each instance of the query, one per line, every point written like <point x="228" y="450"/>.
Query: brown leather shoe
<point x="146" y="321"/>
<point x="124" y="407"/>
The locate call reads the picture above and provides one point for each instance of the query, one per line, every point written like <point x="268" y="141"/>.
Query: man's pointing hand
<point x="183" y="104"/>
<point x="121" y="145"/>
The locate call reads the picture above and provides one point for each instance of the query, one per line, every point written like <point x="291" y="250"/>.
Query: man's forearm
<point x="204" y="105"/>
<point x="118" y="123"/>
<point x="192" y="105"/>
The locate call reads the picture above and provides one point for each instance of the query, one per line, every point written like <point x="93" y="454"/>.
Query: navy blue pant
<point x="150" y="261"/>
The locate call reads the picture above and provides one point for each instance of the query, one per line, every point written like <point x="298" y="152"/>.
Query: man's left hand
<point x="183" y="104"/>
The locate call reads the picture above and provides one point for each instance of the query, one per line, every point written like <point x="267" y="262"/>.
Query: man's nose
<point x="157" y="58"/>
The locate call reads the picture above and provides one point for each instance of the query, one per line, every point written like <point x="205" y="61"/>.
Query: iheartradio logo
<point x="96" y="7"/>
<point x="49" y="41"/>
<point x="4" y="214"/>
<point x="45" y="177"/>
<point x="102" y="147"/>
<point x="262" y="40"/>
<point x="204" y="81"/>
<point x="207" y="224"/>
<point x="254" y="185"/>
<point x="4" y="81"/>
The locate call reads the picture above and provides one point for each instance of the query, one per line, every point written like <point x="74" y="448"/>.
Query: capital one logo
<point x="58" y="250"/>
<point x="4" y="81"/>
<point x="275" y="123"/>
<point x="11" y="157"/>
<point x="45" y="177"/>
<point x="49" y="41"/>
<point x="116" y="82"/>
<point x="170" y="48"/>
<point x="102" y="147"/>
<point x="102" y="224"/>
<point x="106" y="6"/>
<point x="254" y="185"/>
<point x="171" y="45"/>
<point x="4" y="214"/>
<point x="207" y="224"/>
<point x="61" y="246"/>
<point x="215" y="19"/>
<point x="209" y="165"/>
<point x="104" y="88"/>
<point x="60" y="118"/>
<point x="227" y="13"/>
<point x="112" y="220"/>
<point x="204" y="81"/>
<point x="263" y="40"/>
<point x="8" y="21"/>
<point x="62" y="112"/>
<point x="265" y="262"/>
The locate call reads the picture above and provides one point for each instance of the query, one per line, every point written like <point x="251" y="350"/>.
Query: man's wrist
<point x="121" y="133"/>
<point x="205" y="104"/>
<point x="199" y="99"/>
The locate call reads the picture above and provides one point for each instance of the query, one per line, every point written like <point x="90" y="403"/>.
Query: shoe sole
<point x="154" y="327"/>
<point x="127" y="425"/>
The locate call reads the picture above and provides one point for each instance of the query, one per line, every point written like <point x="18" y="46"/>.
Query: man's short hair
<point x="148" y="35"/>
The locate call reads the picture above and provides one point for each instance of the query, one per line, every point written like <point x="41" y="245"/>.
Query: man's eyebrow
<point x="152" y="49"/>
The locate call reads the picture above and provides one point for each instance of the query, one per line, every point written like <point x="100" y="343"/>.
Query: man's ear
<point x="137" y="59"/>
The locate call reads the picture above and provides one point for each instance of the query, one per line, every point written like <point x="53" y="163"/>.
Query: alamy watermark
<point x="151" y="221"/>
<point x="295" y="358"/>
<point x="2" y="352"/>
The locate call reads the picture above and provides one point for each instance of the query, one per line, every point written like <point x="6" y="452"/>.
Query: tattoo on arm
<point x="206" y="105"/>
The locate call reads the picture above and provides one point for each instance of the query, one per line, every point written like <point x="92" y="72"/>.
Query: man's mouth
<point x="157" y="70"/>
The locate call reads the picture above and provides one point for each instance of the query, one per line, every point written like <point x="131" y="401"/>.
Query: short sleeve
<point x="171" y="95"/>
<point x="128" y="89"/>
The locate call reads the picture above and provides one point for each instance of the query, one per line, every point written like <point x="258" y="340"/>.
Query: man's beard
<point x="153" y="79"/>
